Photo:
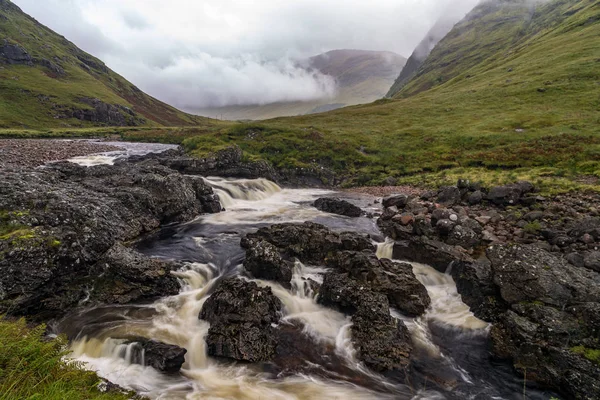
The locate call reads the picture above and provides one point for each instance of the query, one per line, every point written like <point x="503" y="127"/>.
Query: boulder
<point x="337" y="206"/>
<point x="398" y="201"/>
<point x="464" y="237"/>
<point x="395" y="280"/>
<point x="241" y="316"/>
<point x="475" y="198"/>
<point x="509" y="195"/>
<point x="591" y="260"/>
<point x="449" y="196"/>
<point x="160" y="356"/>
<point x="124" y="276"/>
<point x="310" y="242"/>
<point x="263" y="261"/>
<point x="380" y="341"/>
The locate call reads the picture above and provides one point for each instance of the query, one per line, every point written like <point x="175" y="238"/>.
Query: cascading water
<point x="210" y="248"/>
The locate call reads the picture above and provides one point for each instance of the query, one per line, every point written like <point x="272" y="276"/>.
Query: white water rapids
<point x="174" y="320"/>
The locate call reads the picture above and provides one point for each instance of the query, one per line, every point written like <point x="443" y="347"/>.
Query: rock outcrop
<point x="66" y="231"/>
<point x="163" y="357"/>
<point x="359" y="285"/>
<point x="241" y="316"/>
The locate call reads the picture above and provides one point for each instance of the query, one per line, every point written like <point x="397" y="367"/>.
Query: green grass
<point x="486" y="118"/>
<point x="31" y="96"/>
<point x="32" y="367"/>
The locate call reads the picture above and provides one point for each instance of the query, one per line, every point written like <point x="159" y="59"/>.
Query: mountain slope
<point x="525" y="104"/>
<point x="421" y="52"/>
<point x="362" y="77"/>
<point x="46" y="81"/>
<point x="492" y="33"/>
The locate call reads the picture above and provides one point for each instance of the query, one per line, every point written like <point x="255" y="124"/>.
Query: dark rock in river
<point x="310" y="242"/>
<point x="71" y="217"/>
<point x="124" y="276"/>
<point x="381" y="342"/>
<point x="398" y="201"/>
<point x="338" y="206"/>
<point x="163" y="357"/>
<point x="396" y="280"/>
<point x="263" y="261"/>
<point x="241" y="316"/>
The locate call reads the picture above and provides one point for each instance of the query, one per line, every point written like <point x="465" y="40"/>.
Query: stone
<point x="395" y="280"/>
<point x="591" y="260"/>
<point x="463" y="184"/>
<point x="483" y="219"/>
<point x="449" y="196"/>
<point x="575" y="259"/>
<point x="464" y="237"/>
<point x="163" y="357"/>
<point x="475" y="198"/>
<point x="533" y="216"/>
<point x="263" y="261"/>
<point x="506" y="195"/>
<point x="444" y="227"/>
<point x="337" y="206"/>
<point x="398" y="201"/>
<point x="241" y="316"/>
<point x="311" y="242"/>
<point x="586" y="238"/>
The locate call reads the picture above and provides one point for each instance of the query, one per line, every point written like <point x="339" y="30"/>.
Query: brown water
<point x="450" y="342"/>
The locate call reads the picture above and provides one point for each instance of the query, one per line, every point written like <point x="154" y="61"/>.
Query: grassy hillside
<point x="511" y="92"/>
<point x="522" y="103"/>
<point x="46" y="81"/>
<point x="362" y="77"/>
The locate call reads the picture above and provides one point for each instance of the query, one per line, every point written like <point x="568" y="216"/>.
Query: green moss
<point x="591" y="354"/>
<point x="532" y="227"/>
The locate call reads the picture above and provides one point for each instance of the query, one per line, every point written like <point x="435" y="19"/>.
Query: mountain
<point x="46" y="81"/>
<point x="511" y="92"/>
<point x="362" y="77"/>
<point x="497" y="31"/>
<point x="422" y="51"/>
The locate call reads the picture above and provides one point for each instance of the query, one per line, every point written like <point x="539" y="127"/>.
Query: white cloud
<point x="194" y="54"/>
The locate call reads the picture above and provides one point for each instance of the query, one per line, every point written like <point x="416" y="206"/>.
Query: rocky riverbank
<point x="526" y="263"/>
<point x="36" y="152"/>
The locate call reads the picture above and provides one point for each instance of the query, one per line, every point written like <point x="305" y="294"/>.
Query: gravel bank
<point x="35" y="152"/>
<point x="384" y="191"/>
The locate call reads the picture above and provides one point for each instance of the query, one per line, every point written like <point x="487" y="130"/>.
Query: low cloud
<point x="227" y="52"/>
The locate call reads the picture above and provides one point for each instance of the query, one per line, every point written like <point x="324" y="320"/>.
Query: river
<point x="451" y="344"/>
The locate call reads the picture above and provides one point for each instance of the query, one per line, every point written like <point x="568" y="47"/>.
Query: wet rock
<point x="310" y="242"/>
<point x="241" y="316"/>
<point x="338" y="206"/>
<point x="71" y="217"/>
<point x="475" y="198"/>
<point x="263" y="261"/>
<point x="396" y="280"/>
<point x="160" y="356"/>
<point x="445" y="227"/>
<point x="554" y="309"/>
<point x="398" y="201"/>
<point x="427" y="251"/>
<point x="228" y="162"/>
<point x="575" y="259"/>
<point x="463" y="236"/>
<point x="533" y="216"/>
<point x="381" y="342"/>
<point x="124" y="276"/>
<point x="528" y="273"/>
<point x="449" y="196"/>
<point x="591" y="260"/>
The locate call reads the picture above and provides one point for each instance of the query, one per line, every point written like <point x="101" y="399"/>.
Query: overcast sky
<point x="199" y="53"/>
